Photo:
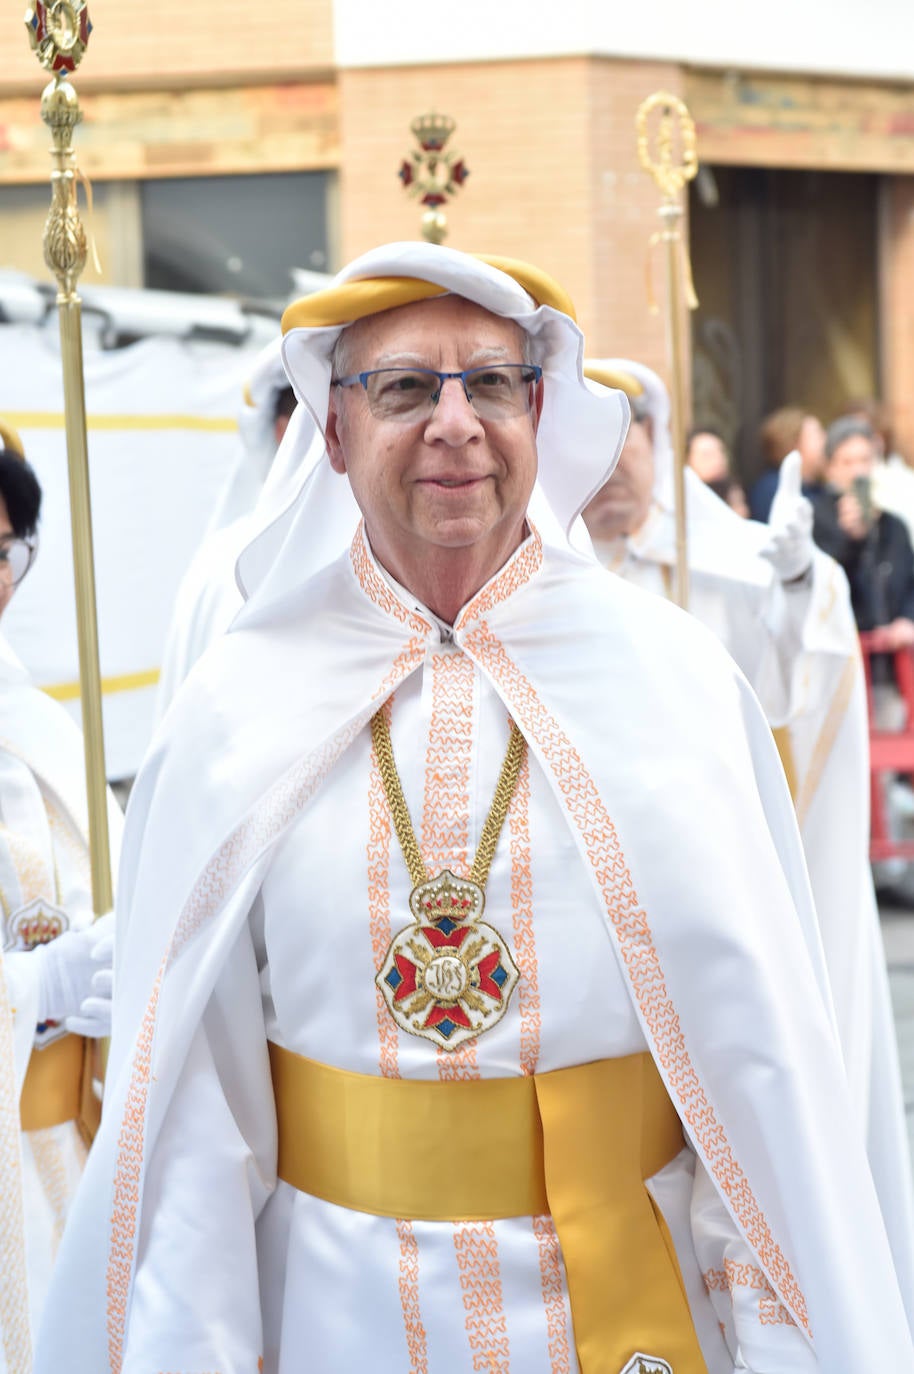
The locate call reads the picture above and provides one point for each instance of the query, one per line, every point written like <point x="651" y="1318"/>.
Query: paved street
<point x="898" y="934"/>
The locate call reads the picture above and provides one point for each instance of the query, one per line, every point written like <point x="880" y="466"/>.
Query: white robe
<point x="798" y="649"/>
<point x="208" y="599"/>
<point x="640" y="737"/>
<point x="43" y="858"/>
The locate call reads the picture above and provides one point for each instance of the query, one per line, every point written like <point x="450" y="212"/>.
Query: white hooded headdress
<point x="307" y="515"/>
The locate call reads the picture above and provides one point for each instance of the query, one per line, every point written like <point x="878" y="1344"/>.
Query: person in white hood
<point x="56" y="969"/>
<point x="782" y="608"/>
<point x="472" y="1013"/>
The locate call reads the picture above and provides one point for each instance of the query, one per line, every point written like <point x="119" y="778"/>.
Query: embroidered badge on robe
<point x="646" y="1364"/>
<point x="448" y="977"/>
<point x="38" y="923"/>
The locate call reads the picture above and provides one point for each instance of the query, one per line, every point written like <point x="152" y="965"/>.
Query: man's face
<point x="854" y="458"/>
<point x="449" y="480"/>
<point x="621" y="507"/>
<point x="708" y="456"/>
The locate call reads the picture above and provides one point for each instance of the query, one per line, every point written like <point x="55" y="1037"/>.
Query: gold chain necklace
<point x="449" y="976"/>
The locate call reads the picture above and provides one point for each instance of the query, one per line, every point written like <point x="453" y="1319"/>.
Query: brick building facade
<point x="174" y="91"/>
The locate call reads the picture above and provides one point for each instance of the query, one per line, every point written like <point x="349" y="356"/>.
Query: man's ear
<point x="332" y="435"/>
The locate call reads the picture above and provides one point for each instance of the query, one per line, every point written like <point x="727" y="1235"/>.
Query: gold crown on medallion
<point x="432" y="131"/>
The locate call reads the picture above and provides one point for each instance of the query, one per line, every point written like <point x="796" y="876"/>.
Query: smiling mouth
<point x="453" y="482"/>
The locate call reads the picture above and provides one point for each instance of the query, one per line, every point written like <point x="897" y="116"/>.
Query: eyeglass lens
<point x="496" y="392"/>
<point x="15" y="559"/>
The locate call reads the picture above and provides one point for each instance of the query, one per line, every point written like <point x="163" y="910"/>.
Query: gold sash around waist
<point x="58" y="1087"/>
<point x="575" y="1143"/>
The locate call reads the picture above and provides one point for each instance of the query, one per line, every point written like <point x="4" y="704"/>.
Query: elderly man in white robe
<point x="55" y="973"/>
<point x="450" y="1034"/>
<point x="782" y="609"/>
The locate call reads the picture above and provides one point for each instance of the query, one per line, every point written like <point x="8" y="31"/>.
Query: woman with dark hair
<point x="55" y="973"/>
<point x="20" y="506"/>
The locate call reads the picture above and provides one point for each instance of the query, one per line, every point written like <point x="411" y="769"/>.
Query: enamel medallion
<point x="448" y="977"/>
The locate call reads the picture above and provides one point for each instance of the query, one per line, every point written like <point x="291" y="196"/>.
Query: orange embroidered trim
<point x="771" y="1312"/>
<point x="639" y="953"/>
<point x="520" y="568"/>
<point x="50" y="1165"/>
<point x="377" y="589"/>
<point x="416" y="1339"/>
<point x="528" y="994"/>
<point x="480" y="1280"/>
<point x="127" y="1183"/>
<point x="379" y="838"/>
<point x="14" y="1292"/>
<point x="250" y="839"/>
<point x="528" y="997"/>
<point x="557" y="1332"/>
<point x="446" y="804"/>
<point x="34" y="877"/>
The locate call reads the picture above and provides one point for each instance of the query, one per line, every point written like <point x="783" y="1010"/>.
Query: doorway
<point x="785" y="266"/>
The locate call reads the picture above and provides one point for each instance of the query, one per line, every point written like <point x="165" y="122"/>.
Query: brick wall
<point x="553" y="176"/>
<point x="160" y="41"/>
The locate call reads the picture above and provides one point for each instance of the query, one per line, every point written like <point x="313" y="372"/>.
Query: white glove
<point x="790" y="546"/>
<point x="77" y="980"/>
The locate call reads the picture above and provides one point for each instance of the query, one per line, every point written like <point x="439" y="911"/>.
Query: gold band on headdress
<point x="10" y="440"/>
<point x="355" y="300"/>
<point x="615" y="378"/>
<point x="544" y="289"/>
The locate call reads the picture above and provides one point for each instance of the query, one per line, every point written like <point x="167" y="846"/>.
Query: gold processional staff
<point x="59" y="32"/>
<point x="431" y="174"/>
<point x="670" y="177"/>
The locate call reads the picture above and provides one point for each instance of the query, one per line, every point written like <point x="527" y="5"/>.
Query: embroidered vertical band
<point x="577" y="1143"/>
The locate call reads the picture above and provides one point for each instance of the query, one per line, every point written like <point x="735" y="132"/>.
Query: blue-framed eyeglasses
<point x="16" y="557"/>
<point x="497" y="391"/>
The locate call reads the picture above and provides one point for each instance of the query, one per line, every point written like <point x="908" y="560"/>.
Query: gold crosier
<point x="59" y="32"/>
<point x="670" y="177"/>
<point x="449" y="977"/>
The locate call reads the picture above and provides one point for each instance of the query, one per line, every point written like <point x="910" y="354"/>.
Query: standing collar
<point x="399" y="602"/>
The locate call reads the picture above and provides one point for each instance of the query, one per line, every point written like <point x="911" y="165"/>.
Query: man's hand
<point x="790" y="547"/>
<point x="851" y="517"/>
<point x="77" y="979"/>
<point x="899" y="634"/>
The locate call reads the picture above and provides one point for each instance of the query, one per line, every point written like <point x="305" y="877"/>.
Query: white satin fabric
<point x="43" y="857"/>
<point x="208" y="597"/>
<point x="667" y="787"/>
<point x="798" y="648"/>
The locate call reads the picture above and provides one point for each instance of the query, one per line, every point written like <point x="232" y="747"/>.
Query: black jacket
<point x="880" y="568"/>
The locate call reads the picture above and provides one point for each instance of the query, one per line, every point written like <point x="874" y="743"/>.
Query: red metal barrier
<point x="891" y="751"/>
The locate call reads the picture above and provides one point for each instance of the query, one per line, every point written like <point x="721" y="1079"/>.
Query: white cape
<point x="684" y="823"/>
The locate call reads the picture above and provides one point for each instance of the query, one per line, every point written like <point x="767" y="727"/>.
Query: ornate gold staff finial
<point x="674" y="164"/>
<point x="431" y="174"/>
<point x="59" y="32"/>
